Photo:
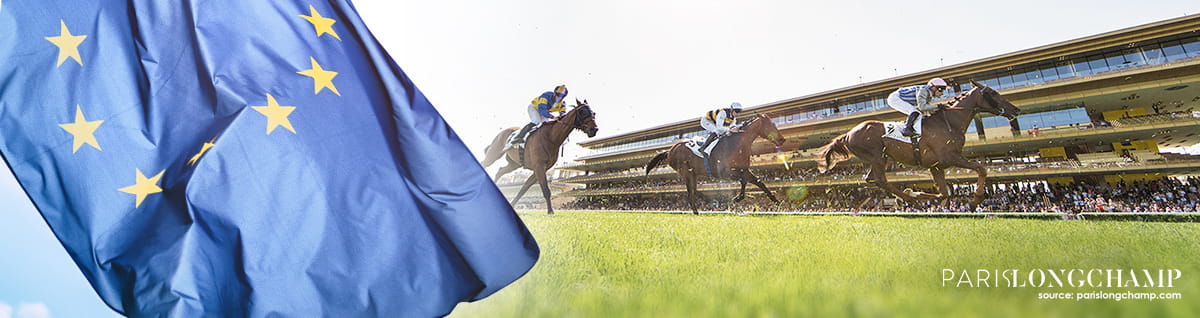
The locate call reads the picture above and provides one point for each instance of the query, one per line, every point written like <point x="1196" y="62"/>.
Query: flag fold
<point x="245" y="158"/>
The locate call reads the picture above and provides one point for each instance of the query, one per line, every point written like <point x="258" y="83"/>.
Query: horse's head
<point x="762" y="126"/>
<point x="991" y="101"/>
<point x="581" y="117"/>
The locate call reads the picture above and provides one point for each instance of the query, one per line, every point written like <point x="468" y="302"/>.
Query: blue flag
<point x="245" y="158"/>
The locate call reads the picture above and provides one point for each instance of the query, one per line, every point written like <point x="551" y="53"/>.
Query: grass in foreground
<point x="660" y="265"/>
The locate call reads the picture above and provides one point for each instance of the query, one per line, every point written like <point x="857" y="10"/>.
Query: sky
<point x="639" y="63"/>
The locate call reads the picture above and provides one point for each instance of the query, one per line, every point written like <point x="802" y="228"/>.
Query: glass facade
<point x="1052" y="118"/>
<point x="995" y="121"/>
<point x="1162" y="50"/>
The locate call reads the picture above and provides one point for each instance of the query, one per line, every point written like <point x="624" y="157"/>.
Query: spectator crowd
<point x="1164" y="195"/>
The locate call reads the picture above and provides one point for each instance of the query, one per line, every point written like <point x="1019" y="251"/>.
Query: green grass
<point x="660" y="265"/>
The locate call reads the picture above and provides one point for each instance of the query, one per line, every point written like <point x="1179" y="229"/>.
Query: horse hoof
<point x="550" y="212"/>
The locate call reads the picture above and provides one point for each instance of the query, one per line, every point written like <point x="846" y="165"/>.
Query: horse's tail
<point x="833" y="153"/>
<point x="495" y="150"/>
<point x="656" y="160"/>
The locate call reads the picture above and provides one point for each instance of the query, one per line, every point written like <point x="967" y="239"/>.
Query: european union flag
<point x="245" y="158"/>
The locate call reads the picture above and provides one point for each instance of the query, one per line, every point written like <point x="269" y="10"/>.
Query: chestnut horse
<point x="941" y="143"/>
<point x="541" y="148"/>
<point x="730" y="159"/>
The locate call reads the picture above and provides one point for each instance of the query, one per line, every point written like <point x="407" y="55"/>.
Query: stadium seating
<point x="1145" y="155"/>
<point x="1100" y="158"/>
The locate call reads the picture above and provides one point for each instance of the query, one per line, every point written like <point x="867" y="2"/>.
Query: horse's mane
<point x="960" y="97"/>
<point x="752" y="120"/>
<point x="571" y="111"/>
<point x="954" y="101"/>
<point x="756" y="118"/>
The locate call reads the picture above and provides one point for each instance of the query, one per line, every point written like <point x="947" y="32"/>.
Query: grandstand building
<point x="1095" y="109"/>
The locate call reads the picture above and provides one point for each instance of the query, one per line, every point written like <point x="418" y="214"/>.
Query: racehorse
<point x="940" y="144"/>
<point x="541" y="148"/>
<point x="730" y="159"/>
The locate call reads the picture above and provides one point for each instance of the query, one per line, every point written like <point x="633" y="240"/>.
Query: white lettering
<point x="1111" y="279"/>
<point x="1054" y="276"/>
<point x="945" y="278"/>
<point x="982" y="276"/>
<point x="1075" y="282"/>
<point x="1089" y="277"/>
<point x="1171" y="279"/>
<point x="1010" y="276"/>
<point x="1041" y="274"/>
<point x="965" y="278"/>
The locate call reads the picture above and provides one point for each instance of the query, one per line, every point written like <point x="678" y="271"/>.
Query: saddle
<point x="892" y="130"/>
<point x="521" y="146"/>
<point x="694" y="145"/>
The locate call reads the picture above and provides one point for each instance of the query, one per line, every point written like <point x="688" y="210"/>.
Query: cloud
<point x="34" y="310"/>
<point x="5" y="310"/>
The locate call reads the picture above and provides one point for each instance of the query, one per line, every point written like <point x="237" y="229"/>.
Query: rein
<point x="770" y="137"/>
<point x="578" y="122"/>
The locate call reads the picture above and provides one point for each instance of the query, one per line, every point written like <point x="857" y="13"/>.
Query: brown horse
<point x="730" y="159"/>
<point x="941" y="144"/>
<point x="541" y="148"/>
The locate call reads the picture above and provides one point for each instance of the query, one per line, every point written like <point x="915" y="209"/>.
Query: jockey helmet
<point x="736" y="106"/>
<point x="560" y="91"/>
<point x="936" y="81"/>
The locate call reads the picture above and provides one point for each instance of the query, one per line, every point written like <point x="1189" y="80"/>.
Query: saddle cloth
<point x="513" y="137"/>
<point x="892" y="130"/>
<point x="694" y="145"/>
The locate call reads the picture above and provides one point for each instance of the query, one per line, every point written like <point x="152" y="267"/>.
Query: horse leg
<point x="540" y="175"/>
<point x="741" y="176"/>
<point x="528" y="182"/>
<point x="759" y="184"/>
<point x="877" y="177"/>
<point x="506" y="169"/>
<point x="690" y="181"/>
<point x="980" y="185"/>
<point x="939" y="178"/>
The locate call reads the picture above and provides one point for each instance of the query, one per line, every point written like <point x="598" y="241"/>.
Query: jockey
<point x="913" y="100"/>
<point x="544" y="108"/>
<point x="720" y="122"/>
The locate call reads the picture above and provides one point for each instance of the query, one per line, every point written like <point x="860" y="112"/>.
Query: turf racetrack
<point x="597" y="264"/>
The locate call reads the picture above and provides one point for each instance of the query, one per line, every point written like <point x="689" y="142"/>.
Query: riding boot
<point x="711" y="138"/>
<point x="520" y="138"/>
<point x="704" y="152"/>
<point x="908" y="130"/>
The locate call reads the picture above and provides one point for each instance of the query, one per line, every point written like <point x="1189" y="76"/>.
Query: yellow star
<point x="321" y="24"/>
<point x="203" y="149"/>
<point x="83" y="130"/>
<point x="321" y="77"/>
<point x="276" y="115"/>
<point x="143" y="187"/>
<point x="68" y="45"/>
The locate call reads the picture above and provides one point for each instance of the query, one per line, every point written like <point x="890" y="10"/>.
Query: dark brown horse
<point x="730" y="159"/>
<point x="541" y="148"/>
<point x="941" y="144"/>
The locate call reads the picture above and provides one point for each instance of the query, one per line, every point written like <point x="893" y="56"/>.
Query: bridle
<point x="770" y="137"/>
<point x="583" y="114"/>
<point x="992" y="102"/>
<point x="987" y="98"/>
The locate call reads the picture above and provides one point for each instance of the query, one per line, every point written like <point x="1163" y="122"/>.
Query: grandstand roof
<point x="958" y="72"/>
